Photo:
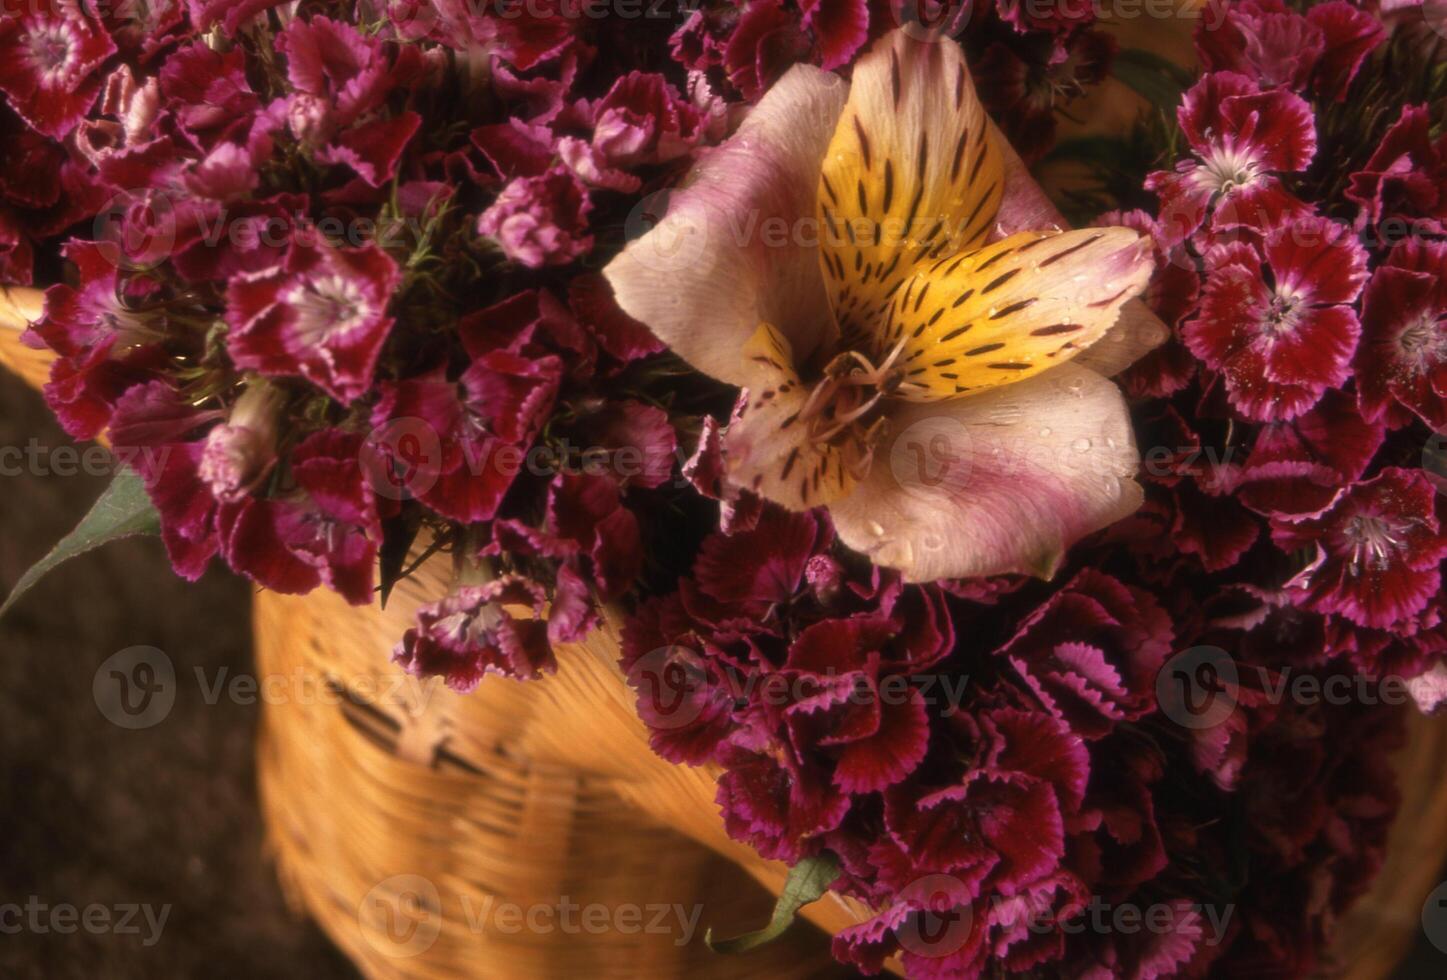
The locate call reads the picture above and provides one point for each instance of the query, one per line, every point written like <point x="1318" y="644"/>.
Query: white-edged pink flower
<point x="50" y="53"/>
<point x="320" y="315"/>
<point x="857" y="260"/>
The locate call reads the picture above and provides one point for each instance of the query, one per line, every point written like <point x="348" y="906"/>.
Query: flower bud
<point x="243" y="450"/>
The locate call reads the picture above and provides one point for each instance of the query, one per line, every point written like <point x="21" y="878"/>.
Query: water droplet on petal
<point x="1044" y="432"/>
<point x="1081" y="445"/>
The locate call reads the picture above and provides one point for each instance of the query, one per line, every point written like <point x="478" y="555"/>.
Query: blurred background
<point x="93" y="814"/>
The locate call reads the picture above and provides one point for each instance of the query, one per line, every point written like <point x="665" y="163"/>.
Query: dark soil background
<point x="93" y="813"/>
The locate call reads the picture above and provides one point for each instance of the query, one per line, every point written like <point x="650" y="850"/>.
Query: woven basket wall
<point x="521" y="793"/>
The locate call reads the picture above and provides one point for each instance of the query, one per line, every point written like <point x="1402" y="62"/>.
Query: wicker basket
<point x="527" y="794"/>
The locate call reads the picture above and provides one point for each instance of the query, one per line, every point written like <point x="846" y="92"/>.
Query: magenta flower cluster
<point x="1307" y="375"/>
<point x="329" y="269"/>
<point x="330" y="265"/>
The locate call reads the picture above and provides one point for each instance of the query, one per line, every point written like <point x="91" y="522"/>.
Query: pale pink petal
<point x="1025" y="206"/>
<point x="1136" y="333"/>
<point x="738" y="245"/>
<point x="1002" y="481"/>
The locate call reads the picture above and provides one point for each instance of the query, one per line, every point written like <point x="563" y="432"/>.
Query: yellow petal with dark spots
<point x="1010" y="310"/>
<point x="912" y="174"/>
<point x="768" y="448"/>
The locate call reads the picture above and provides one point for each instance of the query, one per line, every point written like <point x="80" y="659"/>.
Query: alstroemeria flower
<point x="834" y="259"/>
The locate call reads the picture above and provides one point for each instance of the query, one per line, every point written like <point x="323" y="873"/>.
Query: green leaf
<point x="122" y="511"/>
<point x="1157" y="80"/>
<point x="808" y="881"/>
